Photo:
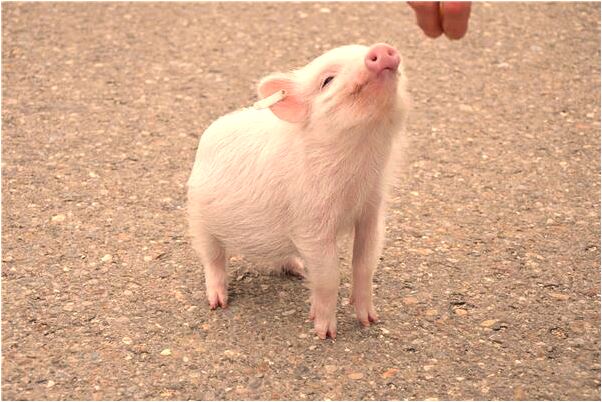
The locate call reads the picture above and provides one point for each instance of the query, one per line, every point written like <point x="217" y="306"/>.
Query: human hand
<point x="448" y="17"/>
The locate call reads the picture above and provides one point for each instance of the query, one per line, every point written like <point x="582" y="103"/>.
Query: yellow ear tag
<point x="270" y="100"/>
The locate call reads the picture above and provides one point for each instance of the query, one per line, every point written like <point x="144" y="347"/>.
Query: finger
<point x="455" y="15"/>
<point x="427" y="17"/>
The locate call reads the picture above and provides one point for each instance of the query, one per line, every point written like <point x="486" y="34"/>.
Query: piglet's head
<point x="350" y="86"/>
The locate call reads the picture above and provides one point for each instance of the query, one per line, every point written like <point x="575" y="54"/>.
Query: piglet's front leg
<point x="367" y="246"/>
<point x="323" y="276"/>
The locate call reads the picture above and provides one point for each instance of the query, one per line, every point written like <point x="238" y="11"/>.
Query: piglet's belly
<point x="261" y="248"/>
<point x="256" y="241"/>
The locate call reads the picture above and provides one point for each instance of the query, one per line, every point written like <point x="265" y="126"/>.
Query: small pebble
<point x="559" y="296"/>
<point x="431" y="312"/>
<point x="488" y="323"/>
<point x="165" y="352"/>
<point x="127" y="340"/>
<point x="255" y="383"/>
<point x="58" y="218"/>
<point x="422" y="251"/>
<point x="231" y="353"/>
<point x="107" y="258"/>
<point x="330" y="368"/>
<point x="519" y="393"/>
<point x="497" y="338"/>
<point x="356" y="376"/>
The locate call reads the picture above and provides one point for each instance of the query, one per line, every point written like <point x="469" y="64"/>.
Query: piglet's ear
<point x="293" y="106"/>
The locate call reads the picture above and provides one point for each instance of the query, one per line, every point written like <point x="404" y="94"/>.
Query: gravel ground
<point x="489" y="285"/>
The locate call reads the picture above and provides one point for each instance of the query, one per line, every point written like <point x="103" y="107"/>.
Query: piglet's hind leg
<point x="213" y="258"/>
<point x="293" y="266"/>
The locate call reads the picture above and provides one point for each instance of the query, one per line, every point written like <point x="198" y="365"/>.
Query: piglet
<point x="283" y="181"/>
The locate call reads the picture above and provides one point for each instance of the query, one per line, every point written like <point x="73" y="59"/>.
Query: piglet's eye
<point x="327" y="81"/>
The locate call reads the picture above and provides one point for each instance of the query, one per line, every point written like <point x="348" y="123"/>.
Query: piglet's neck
<point x="349" y="152"/>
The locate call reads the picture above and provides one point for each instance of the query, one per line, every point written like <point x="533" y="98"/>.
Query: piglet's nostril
<point x="382" y="57"/>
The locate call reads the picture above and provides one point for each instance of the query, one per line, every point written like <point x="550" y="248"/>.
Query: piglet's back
<point x="238" y="141"/>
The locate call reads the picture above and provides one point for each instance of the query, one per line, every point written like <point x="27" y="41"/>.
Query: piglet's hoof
<point x="325" y="325"/>
<point x="217" y="296"/>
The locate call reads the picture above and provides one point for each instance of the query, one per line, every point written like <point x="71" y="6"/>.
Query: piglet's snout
<point x="381" y="57"/>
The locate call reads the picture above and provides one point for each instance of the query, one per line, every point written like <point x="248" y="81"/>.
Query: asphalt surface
<point x="489" y="285"/>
